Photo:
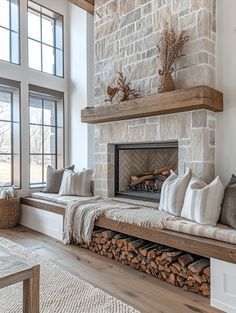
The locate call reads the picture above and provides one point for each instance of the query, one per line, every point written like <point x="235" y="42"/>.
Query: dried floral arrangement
<point x="169" y="49"/>
<point x="122" y="91"/>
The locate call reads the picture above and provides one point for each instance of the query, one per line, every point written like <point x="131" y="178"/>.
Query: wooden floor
<point x="146" y="294"/>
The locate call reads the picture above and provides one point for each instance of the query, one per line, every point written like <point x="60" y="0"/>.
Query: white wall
<point x="226" y="82"/>
<point x="81" y="85"/>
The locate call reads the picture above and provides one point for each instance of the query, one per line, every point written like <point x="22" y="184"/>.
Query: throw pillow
<point x="76" y="184"/>
<point x="54" y="178"/>
<point x="202" y="202"/>
<point x="173" y="193"/>
<point x="228" y="213"/>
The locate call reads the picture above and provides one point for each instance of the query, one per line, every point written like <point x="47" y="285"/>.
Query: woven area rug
<point x="61" y="292"/>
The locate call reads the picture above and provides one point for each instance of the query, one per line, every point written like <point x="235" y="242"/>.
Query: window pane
<point x="48" y="59"/>
<point x="48" y="30"/>
<point x="4" y="13"/>
<point x="16" y="138"/>
<point x="14" y="15"/>
<point x="49" y="140"/>
<point x="36" y="111"/>
<point x="59" y="63"/>
<point x="48" y="160"/>
<point x="34" y="28"/>
<point x="49" y="112"/>
<point x="59" y="34"/>
<point x="5" y="173"/>
<point x="36" y="172"/>
<point x="5" y="106"/>
<point x="4" y="44"/>
<point x="14" y="47"/>
<point x="5" y="137"/>
<point x="34" y="54"/>
<point x="35" y="139"/>
<point x="60" y="140"/>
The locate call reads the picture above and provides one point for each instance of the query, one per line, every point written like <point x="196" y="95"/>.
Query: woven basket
<point x="9" y="212"/>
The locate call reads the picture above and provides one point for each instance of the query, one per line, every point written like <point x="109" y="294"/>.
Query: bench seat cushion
<point x="54" y="197"/>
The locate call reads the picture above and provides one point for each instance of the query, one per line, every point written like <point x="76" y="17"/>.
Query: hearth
<point x="141" y="169"/>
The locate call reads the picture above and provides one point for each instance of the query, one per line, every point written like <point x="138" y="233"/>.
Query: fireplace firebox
<point x="141" y="169"/>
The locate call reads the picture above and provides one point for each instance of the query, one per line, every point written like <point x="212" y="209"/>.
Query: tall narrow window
<point x="45" y="40"/>
<point x="46" y="136"/>
<point x="9" y="136"/>
<point x="9" y="31"/>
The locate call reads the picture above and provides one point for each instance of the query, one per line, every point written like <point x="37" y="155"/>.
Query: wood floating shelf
<point x="182" y="100"/>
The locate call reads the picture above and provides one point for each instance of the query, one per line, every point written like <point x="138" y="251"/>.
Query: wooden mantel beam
<point x="87" y="5"/>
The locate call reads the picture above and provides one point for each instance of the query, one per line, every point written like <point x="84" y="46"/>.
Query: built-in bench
<point x="48" y="217"/>
<point x="203" y="246"/>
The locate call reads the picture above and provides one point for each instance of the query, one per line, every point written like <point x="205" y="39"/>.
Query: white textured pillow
<point x="76" y="184"/>
<point x="173" y="192"/>
<point x="202" y="202"/>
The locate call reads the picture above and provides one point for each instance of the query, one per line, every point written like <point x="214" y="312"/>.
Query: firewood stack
<point x="179" y="268"/>
<point x="150" y="180"/>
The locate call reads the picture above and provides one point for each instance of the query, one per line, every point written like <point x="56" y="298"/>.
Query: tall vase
<point x="166" y="82"/>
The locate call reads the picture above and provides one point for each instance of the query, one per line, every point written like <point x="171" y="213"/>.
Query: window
<point x="45" y="43"/>
<point x="9" y="30"/>
<point x="9" y="136"/>
<point x="46" y="136"/>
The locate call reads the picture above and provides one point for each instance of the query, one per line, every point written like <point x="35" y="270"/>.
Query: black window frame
<point x="10" y="31"/>
<point x="57" y="102"/>
<point x="54" y="16"/>
<point x="12" y="88"/>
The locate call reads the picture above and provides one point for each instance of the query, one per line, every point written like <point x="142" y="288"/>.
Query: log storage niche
<point x="188" y="271"/>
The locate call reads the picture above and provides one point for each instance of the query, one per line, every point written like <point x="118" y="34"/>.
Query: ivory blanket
<point x="81" y="215"/>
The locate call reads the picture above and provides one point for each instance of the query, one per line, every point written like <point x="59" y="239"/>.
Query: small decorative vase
<point x="166" y="82"/>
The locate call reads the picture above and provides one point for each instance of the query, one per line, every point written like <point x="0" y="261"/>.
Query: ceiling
<point x="87" y="5"/>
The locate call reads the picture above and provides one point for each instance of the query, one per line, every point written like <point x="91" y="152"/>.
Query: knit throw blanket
<point x="81" y="215"/>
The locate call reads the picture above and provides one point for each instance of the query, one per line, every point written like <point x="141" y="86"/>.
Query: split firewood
<point x="190" y="272"/>
<point x="135" y="244"/>
<point x="185" y="259"/>
<point x="108" y="234"/>
<point x="198" y="266"/>
<point x="207" y="271"/>
<point x="144" y="249"/>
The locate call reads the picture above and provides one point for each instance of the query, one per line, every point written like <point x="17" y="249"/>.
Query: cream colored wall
<point x="226" y="82"/>
<point x="81" y="86"/>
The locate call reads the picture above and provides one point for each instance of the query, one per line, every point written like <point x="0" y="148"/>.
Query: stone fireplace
<point x="194" y="132"/>
<point x="126" y="34"/>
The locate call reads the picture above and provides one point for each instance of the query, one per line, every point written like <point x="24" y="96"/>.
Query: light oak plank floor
<point x="145" y="293"/>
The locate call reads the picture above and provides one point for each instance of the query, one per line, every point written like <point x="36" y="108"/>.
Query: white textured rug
<point x="61" y="292"/>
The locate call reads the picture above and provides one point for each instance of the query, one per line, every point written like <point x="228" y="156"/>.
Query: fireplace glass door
<point x="141" y="169"/>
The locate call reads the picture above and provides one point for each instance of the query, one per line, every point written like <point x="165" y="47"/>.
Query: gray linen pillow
<point x="54" y="178"/>
<point x="228" y="213"/>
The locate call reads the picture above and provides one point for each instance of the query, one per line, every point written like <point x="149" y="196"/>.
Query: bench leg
<point x="31" y="292"/>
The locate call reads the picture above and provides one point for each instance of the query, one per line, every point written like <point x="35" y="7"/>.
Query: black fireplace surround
<point x="137" y="158"/>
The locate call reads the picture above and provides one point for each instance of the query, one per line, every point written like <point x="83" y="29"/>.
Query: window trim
<point x="11" y="86"/>
<point x="48" y="45"/>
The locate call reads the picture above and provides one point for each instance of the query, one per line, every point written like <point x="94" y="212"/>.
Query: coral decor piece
<point x="169" y="49"/>
<point x="123" y="91"/>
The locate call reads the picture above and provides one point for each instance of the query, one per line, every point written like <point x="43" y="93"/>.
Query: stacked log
<point x="149" y="181"/>
<point x="179" y="268"/>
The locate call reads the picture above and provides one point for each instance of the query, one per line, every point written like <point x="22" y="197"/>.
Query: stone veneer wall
<point x="126" y="33"/>
<point x="195" y="132"/>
